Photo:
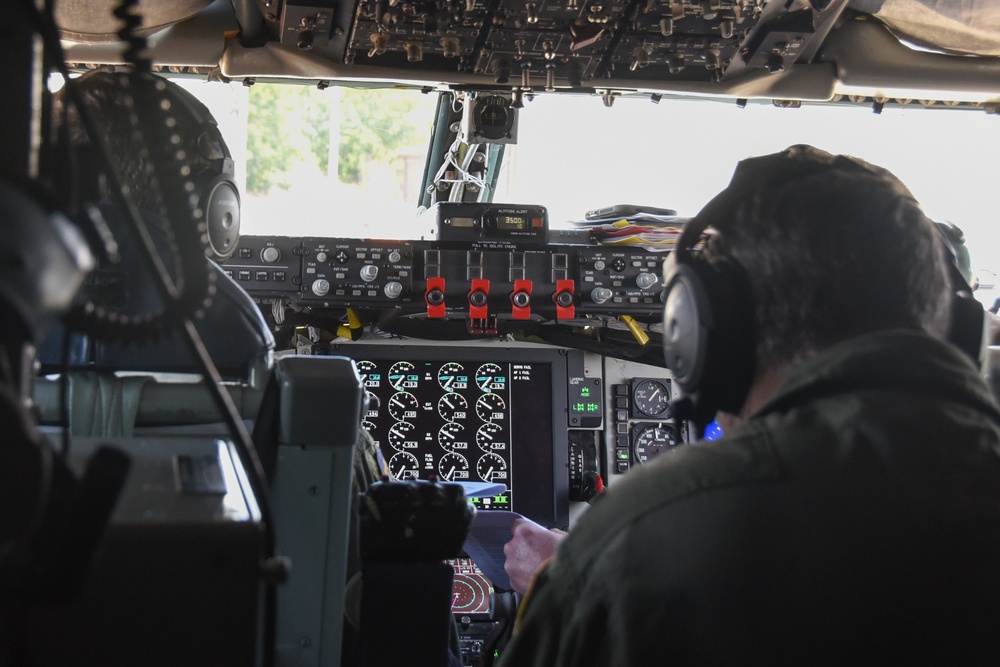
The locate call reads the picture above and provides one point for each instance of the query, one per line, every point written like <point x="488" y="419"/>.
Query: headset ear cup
<point x="709" y="334"/>
<point x="686" y="317"/>
<point x="967" y="329"/>
<point x="221" y="206"/>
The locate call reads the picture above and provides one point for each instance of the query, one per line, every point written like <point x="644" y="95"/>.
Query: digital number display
<point x="512" y="223"/>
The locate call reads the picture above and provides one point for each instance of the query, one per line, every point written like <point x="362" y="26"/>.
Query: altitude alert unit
<point x="489" y="119"/>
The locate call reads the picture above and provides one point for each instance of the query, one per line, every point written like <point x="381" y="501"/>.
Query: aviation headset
<point x="709" y="331"/>
<point x="215" y="187"/>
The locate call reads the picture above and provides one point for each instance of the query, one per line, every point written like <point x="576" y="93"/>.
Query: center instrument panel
<point x="544" y="427"/>
<point x="481" y="281"/>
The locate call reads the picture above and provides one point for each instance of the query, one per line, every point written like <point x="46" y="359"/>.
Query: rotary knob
<point x="393" y="289"/>
<point x="600" y="294"/>
<point x="321" y="257"/>
<point x="270" y="254"/>
<point x="320" y="287"/>
<point x="646" y="280"/>
<point x="369" y="272"/>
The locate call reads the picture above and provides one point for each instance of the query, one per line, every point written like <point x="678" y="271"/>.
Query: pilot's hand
<point x="531" y="546"/>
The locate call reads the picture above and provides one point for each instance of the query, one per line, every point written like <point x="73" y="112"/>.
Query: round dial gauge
<point x="491" y="468"/>
<point x="486" y="377"/>
<point x="365" y="369"/>
<point x="404" y="465"/>
<point x="373" y="401"/>
<point x="490" y="438"/>
<point x="368" y="426"/>
<point x="403" y="405"/>
<point x="491" y="407"/>
<point x="453" y="466"/>
<point x="652" y="398"/>
<point x="452" y="376"/>
<point x="399" y="433"/>
<point x="652" y="441"/>
<point x="398" y="374"/>
<point x="451" y="437"/>
<point x="453" y="407"/>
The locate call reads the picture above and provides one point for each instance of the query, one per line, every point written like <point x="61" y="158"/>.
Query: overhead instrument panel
<point x="544" y="44"/>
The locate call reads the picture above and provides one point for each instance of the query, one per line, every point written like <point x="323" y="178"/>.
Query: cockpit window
<point x="574" y="154"/>
<point x="325" y="162"/>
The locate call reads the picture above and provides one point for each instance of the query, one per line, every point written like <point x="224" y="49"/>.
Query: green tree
<point x="286" y="123"/>
<point x="289" y="124"/>
<point x="375" y="124"/>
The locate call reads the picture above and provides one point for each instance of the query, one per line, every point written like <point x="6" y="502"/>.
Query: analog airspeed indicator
<point x="651" y="440"/>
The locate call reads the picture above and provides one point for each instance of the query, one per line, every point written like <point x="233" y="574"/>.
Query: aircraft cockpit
<point x="437" y="227"/>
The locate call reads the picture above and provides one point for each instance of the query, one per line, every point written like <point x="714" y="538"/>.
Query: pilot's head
<point x="810" y="249"/>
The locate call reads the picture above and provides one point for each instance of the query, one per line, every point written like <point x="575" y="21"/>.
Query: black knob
<point x="305" y="40"/>
<point x="435" y="297"/>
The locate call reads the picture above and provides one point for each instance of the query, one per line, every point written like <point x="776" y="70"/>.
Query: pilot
<point x="851" y="512"/>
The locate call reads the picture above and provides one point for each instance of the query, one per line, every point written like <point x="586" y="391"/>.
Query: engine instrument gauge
<point x="453" y="407"/>
<point x="401" y="433"/>
<point x="489" y="437"/>
<point x="491" y="468"/>
<point x="491" y="407"/>
<point x="451" y="437"/>
<point x="369" y="376"/>
<point x="404" y="465"/>
<point x="653" y="440"/>
<point x="451" y="376"/>
<point x="453" y="467"/>
<point x="651" y="398"/>
<point x="401" y="375"/>
<point x="403" y="406"/>
<point x="490" y="377"/>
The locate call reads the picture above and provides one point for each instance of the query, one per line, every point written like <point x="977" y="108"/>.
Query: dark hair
<point x="833" y="255"/>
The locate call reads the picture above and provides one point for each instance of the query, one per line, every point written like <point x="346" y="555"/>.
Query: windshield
<point x="574" y="154"/>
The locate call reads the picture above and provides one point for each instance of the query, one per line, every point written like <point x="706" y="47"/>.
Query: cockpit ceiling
<point x="812" y="50"/>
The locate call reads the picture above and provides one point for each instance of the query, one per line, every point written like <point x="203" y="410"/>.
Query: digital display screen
<point x="470" y="415"/>
<point x="516" y="223"/>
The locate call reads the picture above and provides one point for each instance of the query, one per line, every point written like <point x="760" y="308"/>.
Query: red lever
<point x="565" y="309"/>
<point x="434" y="297"/>
<point x="520" y="300"/>
<point x="478" y="297"/>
